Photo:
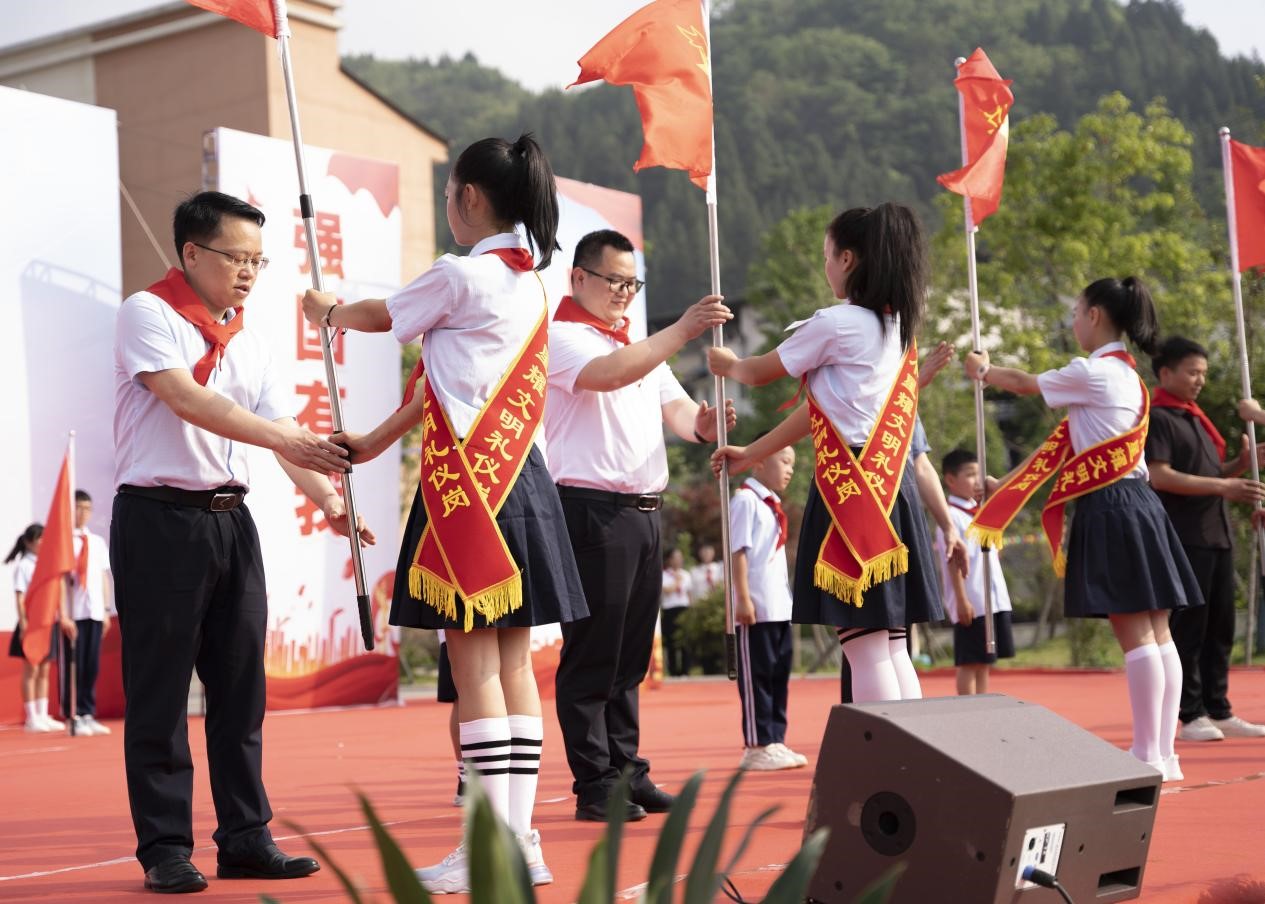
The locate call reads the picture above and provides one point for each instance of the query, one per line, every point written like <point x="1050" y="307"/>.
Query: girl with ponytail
<point x="1123" y="559"/>
<point x="34" y="677"/>
<point x="864" y="563"/>
<point x="484" y="573"/>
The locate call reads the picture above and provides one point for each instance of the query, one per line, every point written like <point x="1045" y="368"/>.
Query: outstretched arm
<point x="1008" y="378"/>
<point x="755" y="371"/>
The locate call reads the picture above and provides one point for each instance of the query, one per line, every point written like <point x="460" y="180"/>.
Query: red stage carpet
<point x="67" y="836"/>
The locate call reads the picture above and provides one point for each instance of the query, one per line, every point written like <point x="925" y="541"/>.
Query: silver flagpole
<point x="1236" y="280"/>
<point x="968" y="219"/>
<point x="308" y="211"/>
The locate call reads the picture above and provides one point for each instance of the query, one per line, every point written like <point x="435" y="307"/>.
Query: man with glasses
<point x="193" y="388"/>
<point x="608" y="397"/>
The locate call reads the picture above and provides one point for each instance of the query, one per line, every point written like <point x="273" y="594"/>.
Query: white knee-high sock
<point x="1172" y="696"/>
<point x="873" y="675"/>
<point x="41" y="707"/>
<point x="906" y="675"/>
<point x="485" y="746"/>
<point x="1145" y="674"/>
<point x="527" y="735"/>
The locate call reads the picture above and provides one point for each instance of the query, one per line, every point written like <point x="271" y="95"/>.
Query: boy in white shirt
<point x="964" y="597"/>
<point x="92" y="605"/>
<point x="757" y="535"/>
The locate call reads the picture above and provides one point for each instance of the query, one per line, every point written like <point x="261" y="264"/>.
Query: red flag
<point x="1247" y="165"/>
<point x="662" y="51"/>
<point x="55" y="560"/>
<point x="258" y="14"/>
<point x="986" y="118"/>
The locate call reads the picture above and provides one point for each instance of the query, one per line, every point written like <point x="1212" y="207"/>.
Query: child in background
<point x="34" y="677"/>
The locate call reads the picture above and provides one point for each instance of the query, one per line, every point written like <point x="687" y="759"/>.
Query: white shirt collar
<point x="1109" y="347"/>
<point x="760" y="489"/>
<point x="959" y="501"/>
<point x="500" y="240"/>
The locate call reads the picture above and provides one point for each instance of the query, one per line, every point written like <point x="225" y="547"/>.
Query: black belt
<point x="221" y="499"/>
<point x="642" y="502"/>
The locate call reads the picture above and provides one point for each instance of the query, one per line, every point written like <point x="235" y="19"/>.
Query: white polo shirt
<point x="677" y="587"/>
<point x="753" y="527"/>
<point x="155" y="447"/>
<point x="975" y="566"/>
<point x="1102" y="395"/>
<point x="851" y="362"/>
<point x="23" y="571"/>
<point x="474" y="314"/>
<point x="609" y="441"/>
<point x="705" y="578"/>
<point x="88" y="601"/>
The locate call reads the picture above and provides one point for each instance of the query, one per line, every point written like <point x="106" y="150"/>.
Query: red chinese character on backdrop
<point x="318" y="416"/>
<point x="329" y="243"/>
<point x="308" y="341"/>
<point x="309" y="514"/>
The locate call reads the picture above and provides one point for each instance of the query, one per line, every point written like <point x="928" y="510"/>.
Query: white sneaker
<point x="765" y="759"/>
<point x="529" y="844"/>
<point x="51" y="724"/>
<point x="449" y="876"/>
<point x="35" y="726"/>
<point x="1234" y="727"/>
<point x="1172" y="769"/>
<point x="81" y="727"/>
<point x="97" y="727"/>
<point x="798" y="758"/>
<point x="1201" y="729"/>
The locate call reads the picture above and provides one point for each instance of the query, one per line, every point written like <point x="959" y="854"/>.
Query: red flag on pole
<point x="1247" y="163"/>
<point x="55" y="560"/>
<point x="258" y="14"/>
<point x="986" y="106"/>
<point x="662" y="52"/>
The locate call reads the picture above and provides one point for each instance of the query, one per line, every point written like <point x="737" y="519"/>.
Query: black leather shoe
<point x="652" y="799"/>
<point x="176" y="876"/>
<point x="265" y="863"/>
<point x="596" y="812"/>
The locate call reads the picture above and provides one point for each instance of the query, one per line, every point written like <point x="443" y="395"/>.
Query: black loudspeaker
<point x="966" y="792"/>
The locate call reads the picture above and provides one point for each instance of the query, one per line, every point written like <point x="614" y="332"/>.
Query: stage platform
<point x="67" y="836"/>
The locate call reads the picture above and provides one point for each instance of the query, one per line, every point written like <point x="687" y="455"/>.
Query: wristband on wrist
<point x="699" y="437"/>
<point x="325" y="319"/>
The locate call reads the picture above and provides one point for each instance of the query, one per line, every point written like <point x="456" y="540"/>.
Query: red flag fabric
<point x="258" y="14"/>
<point x="55" y="560"/>
<point x="662" y="52"/>
<point x="986" y="118"/>
<point x="1247" y="166"/>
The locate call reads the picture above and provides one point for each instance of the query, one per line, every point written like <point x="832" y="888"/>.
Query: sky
<point x="524" y="41"/>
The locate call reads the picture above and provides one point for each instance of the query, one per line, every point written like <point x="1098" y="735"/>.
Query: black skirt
<point x="895" y="603"/>
<point x="15" y="644"/>
<point x="535" y="532"/>
<point x="1123" y="555"/>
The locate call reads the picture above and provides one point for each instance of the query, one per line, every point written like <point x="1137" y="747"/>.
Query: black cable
<point x="1046" y="880"/>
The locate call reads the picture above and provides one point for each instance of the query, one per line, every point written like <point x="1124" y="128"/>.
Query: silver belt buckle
<point x="647" y="503"/>
<point x="225" y="502"/>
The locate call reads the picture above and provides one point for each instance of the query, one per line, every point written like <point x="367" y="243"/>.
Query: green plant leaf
<point x="746" y="840"/>
<point x="702" y="882"/>
<point x="789" y="887"/>
<point x="616" y="812"/>
<point x="348" y="886"/>
<point x="498" y="873"/>
<point x="596" y="880"/>
<point x="880" y="890"/>
<point x="401" y="879"/>
<point x="268" y="899"/>
<point x="668" y="849"/>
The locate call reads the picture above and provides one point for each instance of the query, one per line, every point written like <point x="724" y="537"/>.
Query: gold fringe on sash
<point x="1060" y="564"/>
<point x="876" y="571"/>
<point x="988" y="537"/>
<point x="493" y="603"/>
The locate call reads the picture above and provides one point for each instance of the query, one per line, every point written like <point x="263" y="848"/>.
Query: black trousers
<point x="85" y="653"/>
<point x="1204" y="636"/>
<point x="764" y="674"/>
<point x="605" y="656"/>
<point x="189" y="588"/>
<point x="676" y="655"/>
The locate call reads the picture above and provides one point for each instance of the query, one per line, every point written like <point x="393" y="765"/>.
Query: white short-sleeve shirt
<point x="23" y="571"/>
<point x="475" y="314"/>
<point x="851" y="358"/>
<point x="609" y="441"/>
<point x="88" y="601"/>
<point x="154" y="446"/>
<point x="1102" y="395"/>
<point x="705" y="578"/>
<point x="975" y="566"/>
<point x="677" y="588"/>
<point x="753" y="527"/>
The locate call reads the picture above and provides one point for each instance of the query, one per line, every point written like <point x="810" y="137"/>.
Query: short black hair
<point x="197" y="218"/>
<point x="588" y="250"/>
<point x="82" y="496"/>
<point x="956" y="460"/>
<point x="1174" y="350"/>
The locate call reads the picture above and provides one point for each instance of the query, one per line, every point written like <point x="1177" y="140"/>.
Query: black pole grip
<point x="731" y="656"/>
<point x="366" y="621"/>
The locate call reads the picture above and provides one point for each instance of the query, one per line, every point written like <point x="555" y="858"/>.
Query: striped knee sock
<point x="527" y="734"/>
<point x="485" y="746"/>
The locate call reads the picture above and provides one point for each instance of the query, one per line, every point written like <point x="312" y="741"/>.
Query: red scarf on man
<point x="174" y="289"/>
<point x="1162" y="398"/>
<point x="569" y="311"/>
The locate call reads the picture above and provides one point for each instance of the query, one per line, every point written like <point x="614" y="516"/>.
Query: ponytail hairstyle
<point x="890" y="276"/>
<point x="23" y="544"/>
<point x="518" y="182"/>
<point x="1128" y="305"/>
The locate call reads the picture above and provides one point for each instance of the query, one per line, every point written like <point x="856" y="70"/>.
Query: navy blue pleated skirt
<point x="896" y="603"/>
<point x="1123" y="555"/>
<point x="536" y="533"/>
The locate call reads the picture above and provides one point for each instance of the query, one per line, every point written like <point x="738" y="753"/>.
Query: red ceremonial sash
<point x="1162" y="398"/>
<point x="861" y="548"/>
<point x="569" y="311"/>
<point x="176" y="291"/>
<point x="1078" y="474"/>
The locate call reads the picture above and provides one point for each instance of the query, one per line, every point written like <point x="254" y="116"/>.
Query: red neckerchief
<point x="962" y="508"/>
<point x="81" y="562"/>
<point x="569" y="311"/>
<point x="518" y="259"/>
<point x="1162" y="398"/>
<point x="782" y="526"/>
<point x="174" y="289"/>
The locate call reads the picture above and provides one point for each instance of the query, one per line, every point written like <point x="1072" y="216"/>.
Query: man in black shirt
<point x="1186" y="457"/>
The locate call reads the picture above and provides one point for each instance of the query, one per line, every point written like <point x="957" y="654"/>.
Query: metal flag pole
<point x="968" y="220"/>
<point x="722" y="430"/>
<point x="308" y="211"/>
<point x="1236" y="281"/>
<point x="72" y="646"/>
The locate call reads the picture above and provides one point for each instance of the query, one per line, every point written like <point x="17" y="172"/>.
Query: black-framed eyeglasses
<point x="618" y="283"/>
<point x="240" y="261"/>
